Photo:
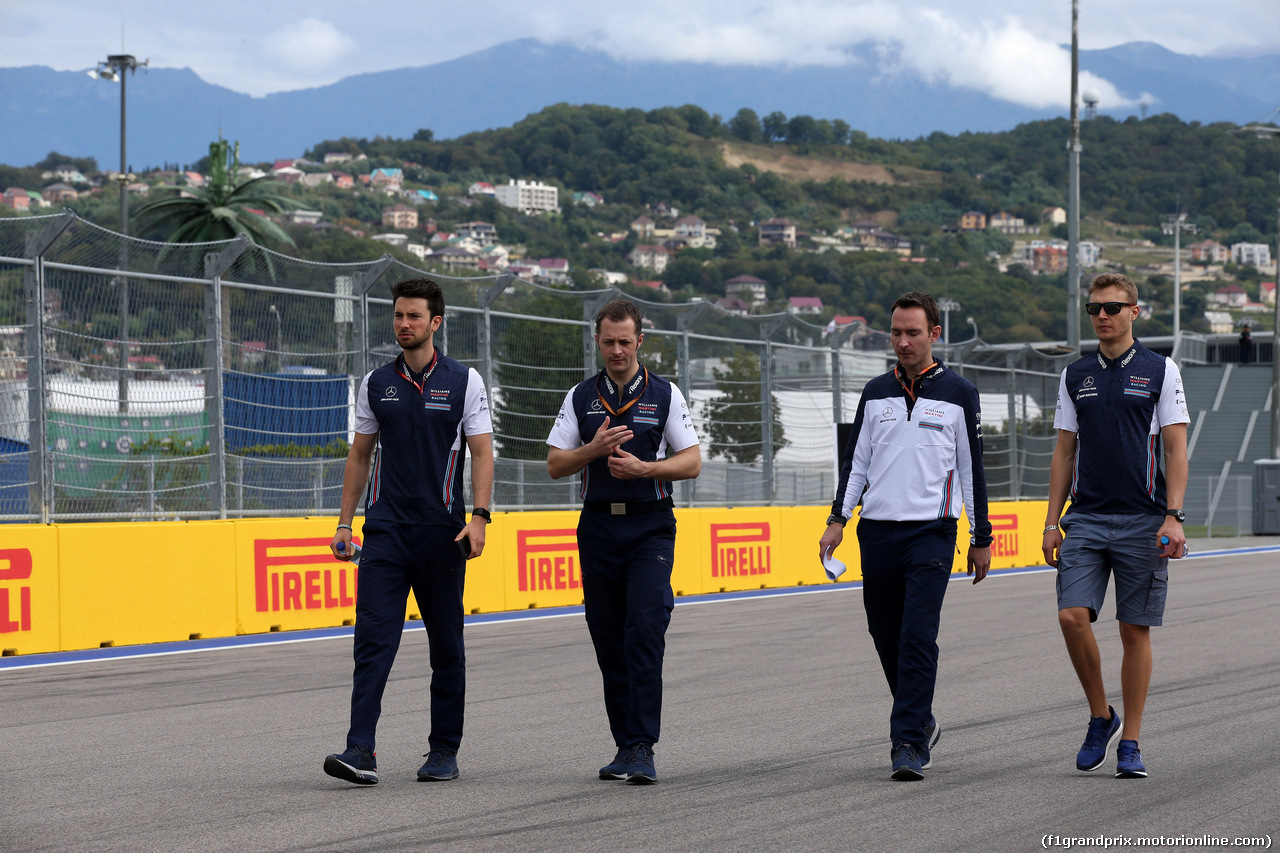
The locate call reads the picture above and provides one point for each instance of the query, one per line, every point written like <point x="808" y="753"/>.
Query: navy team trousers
<point x="396" y="558"/>
<point x="906" y="566"/>
<point x="626" y="586"/>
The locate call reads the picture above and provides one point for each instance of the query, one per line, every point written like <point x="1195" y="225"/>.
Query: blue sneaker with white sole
<point x="932" y="734"/>
<point x="617" y="769"/>
<point x="1129" y="761"/>
<point x="907" y="766"/>
<point x="1097" y="742"/>
<point x="358" y="765"/>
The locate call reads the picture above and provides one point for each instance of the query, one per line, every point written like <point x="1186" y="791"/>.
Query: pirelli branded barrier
<point x="79" y="586"/>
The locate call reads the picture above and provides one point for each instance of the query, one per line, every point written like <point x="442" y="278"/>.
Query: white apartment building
<point x="1253" y="254"/>
<point x="528" y="196"/>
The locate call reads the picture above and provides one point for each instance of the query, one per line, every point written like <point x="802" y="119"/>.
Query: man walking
<point x="416" y="412"/>
<point x="629" y="432"/>
<point x="1114" y="407"/>
<point x="915" y="455"/>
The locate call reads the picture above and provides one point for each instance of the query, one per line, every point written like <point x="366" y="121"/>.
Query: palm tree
<point x="221" y="209"/>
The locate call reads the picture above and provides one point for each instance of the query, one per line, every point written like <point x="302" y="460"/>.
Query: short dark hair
<point x="1115" y="279"/>
<point x="618" y="310"/>
<point x="916" y="299"/>
<point x="420" y="288"/>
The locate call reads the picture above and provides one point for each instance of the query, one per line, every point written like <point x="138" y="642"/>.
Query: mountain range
<point x="173" y="115"/>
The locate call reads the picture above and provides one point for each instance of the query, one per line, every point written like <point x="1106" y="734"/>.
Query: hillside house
<point x="484" y="233"/>
<point x="643" y="226"/>
<point x="1053" y="216"/>
<point x="1251" y="254"/>
<point x="778" y="231"/>
<point x="751" y="290"/>
<point x="481" y="188"/>
<point x="455" y="258"/>
<point x="59" y="192"/>
<point x="17" y="199"/>
<point x="529" y="197"/>
<point x="649" y="257"/>
<point x="387" y="177"/>
<point x="804" y="305"/>
<point x="1210" y="252"/>
<point x="690" y="228"/>
<point x="973" y="220"/>
<point x="1231" y="296"/>
<point x="399" y="216"/>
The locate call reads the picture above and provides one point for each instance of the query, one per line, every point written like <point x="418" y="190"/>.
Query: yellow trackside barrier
<point x="78" y="586"/>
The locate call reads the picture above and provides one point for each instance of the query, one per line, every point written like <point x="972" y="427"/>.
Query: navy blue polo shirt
<point x="1116" y="408"/>
<point x="421" y="422"/>
<point x="652" y="407"/>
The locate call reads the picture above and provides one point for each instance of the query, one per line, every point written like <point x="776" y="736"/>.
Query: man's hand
<point x="1176" y="549"/>
<point x="341" y="536"/>
<point x="831" y="539"/>
<point x="1051" y="545"/>
<point x="607" y="439"/>
<point x="474" y="531"/>
<point x="979" y="562"/>
<point x="626" y="466"/>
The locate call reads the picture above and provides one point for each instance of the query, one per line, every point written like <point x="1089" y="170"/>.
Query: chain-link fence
<point x="143" y="380"/>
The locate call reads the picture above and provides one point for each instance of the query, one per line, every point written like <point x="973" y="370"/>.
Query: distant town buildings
<point x="751" y="290"/>
<point x="399" y="216"/>
<point x="528" y="196"/>
<point x="973" y="220"/>
<point x="1210" y="252"/>
<point x="649" y="257"/>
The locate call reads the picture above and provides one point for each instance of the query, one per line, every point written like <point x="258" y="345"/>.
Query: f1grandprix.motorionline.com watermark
<point x="1108" y="841"/>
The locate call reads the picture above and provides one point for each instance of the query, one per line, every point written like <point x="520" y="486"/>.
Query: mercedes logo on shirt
<point x="391" y="391"/>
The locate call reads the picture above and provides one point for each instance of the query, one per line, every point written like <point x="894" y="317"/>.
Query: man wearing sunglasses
<point x="630" y="433"/>
<point x="1116" y="406"/>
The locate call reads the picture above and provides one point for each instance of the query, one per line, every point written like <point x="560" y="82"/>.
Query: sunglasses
<point x="1113" y="308"/>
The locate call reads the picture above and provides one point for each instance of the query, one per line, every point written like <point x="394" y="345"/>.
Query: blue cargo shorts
<point x="1098" y="545"/>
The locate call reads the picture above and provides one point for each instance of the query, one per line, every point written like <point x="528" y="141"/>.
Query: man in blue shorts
<point x="1116" y="406"/>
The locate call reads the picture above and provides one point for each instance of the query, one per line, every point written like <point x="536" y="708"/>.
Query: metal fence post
<point x="486" y="300"/>
<point x="1015" y="474"/>
<point x="214" y="267"/>
<point x="684" y="322"/>
<point x="838" y="339"/>
<point x="39" y="463"/>
<point x="361" y="287"/>
<point x="589" y="308"/>
<point x="767" y="331"/>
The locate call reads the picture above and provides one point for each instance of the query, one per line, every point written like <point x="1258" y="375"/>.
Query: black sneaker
<point x="357" y="765"/>
<point x="907" y="766"/>
<point x="932" y="734"/>
<point x="617" y="769"/>
<point x="640" y="769"/>
<point x="441" y="766"/>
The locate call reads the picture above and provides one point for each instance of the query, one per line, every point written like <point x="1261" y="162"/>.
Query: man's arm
<point x="973" y="488"/>
<point x="481" y="447"/>
<point x="355" y="476"/>
<point x="1060" y="468"/>
<point x="682" y="465"/>
<point x="1174" y="437"/>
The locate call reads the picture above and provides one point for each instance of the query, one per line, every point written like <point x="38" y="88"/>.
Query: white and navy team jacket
<point x="916" y="452"/>
<point x="1116" y="408"/>
<point x="421" y="423"/>
<point x="652" y="407"/>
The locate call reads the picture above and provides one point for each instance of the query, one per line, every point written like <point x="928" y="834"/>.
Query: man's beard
<point x="416" y="343"/>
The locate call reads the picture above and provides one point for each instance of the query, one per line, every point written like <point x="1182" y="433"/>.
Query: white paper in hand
<point x="833" y="567"/>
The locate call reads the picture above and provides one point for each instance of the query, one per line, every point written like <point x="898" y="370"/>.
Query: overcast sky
<point x="1010" y="49"/>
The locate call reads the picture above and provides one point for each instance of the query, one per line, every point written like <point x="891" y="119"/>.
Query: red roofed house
<point x="804" y="305"/>
<point x="748" y="288"/>
<point x="1210" y="251"/>
<point x="17" y="198"/>
<point x="1232" y="296"/>
<point x="1268" y="292"/>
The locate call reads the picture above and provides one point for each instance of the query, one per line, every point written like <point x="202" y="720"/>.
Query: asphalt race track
<point x="775" y="736"/>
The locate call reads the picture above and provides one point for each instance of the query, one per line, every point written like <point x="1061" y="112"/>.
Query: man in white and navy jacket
<point x="914" y="458"/>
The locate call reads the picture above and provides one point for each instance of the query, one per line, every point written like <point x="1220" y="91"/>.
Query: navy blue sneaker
<point x="932" y="734"/>
<point x="1129" y="761"/>
<point x="357" y="765"/>
<point x="1102" y="733"/>
<point x="441" y="766"/>
<point x="617" y="769"/>
<point x="907" y="766"/>
<point x="640" y="769"/>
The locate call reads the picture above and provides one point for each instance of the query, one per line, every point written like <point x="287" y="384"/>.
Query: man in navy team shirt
<point x="417" y="412"/>
<point x="1116" y="406"/>
<point x="630" y="434"/>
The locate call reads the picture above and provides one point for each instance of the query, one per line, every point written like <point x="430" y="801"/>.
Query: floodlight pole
<point x="1073" y="191"/>
<point x="1269" y="131"/>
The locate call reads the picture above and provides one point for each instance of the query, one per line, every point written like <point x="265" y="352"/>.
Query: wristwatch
<point x="836" y="519"/>
<point x="481" y="512"/>
<point x="1177" y="514"/>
